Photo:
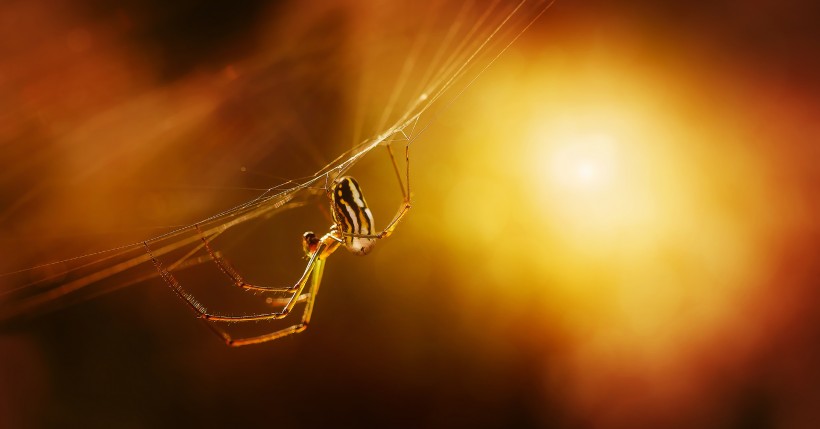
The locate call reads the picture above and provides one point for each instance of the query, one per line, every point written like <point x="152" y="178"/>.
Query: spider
<point x="352" y="228"/>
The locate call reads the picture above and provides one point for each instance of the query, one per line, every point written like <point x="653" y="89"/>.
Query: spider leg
<point x="310" y="298"/>
<point x="405" y="191"/>
<point x="205" y="314"/>
<point x="396" y="170"/>
<point x="405" y="206"/>
<point x="391" y="226"/>
<point x="228" y="269"/>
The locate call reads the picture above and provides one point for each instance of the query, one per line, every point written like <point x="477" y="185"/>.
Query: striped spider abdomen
<point x="352" y="216"/>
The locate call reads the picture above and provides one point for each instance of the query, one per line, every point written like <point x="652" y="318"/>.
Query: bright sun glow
<point x="582" y="162"/>
<point x="590" y="178"/>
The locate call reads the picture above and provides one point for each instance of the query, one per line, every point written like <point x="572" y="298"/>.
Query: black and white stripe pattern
<point x="351" y="214"/>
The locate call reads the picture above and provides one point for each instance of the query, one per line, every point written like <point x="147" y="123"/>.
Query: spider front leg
<point x="309" y="297"/>
<point x="320" y="250"/>
<point x="225" y="266"/>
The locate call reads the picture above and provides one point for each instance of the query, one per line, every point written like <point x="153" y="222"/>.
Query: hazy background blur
<point x="614" y="226"/>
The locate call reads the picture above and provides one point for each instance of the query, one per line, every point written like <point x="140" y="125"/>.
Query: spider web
<point x="452" y="46"/>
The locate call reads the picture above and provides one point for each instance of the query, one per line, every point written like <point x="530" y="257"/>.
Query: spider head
<point x="310" y="242"/>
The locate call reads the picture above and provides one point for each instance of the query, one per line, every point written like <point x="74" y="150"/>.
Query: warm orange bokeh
<point x="649" y="228"/>
<point x="613" y="226"/>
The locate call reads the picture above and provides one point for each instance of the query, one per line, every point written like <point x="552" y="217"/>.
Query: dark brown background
<point x="500" y="301"/>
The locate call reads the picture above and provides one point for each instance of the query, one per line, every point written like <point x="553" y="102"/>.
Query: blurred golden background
<point x="613" y="226"/>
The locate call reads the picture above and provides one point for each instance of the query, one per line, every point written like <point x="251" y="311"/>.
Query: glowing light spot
<point x="589" y="182"/>
<point x="586" y="171"/>
<point x="581" y="162"/>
